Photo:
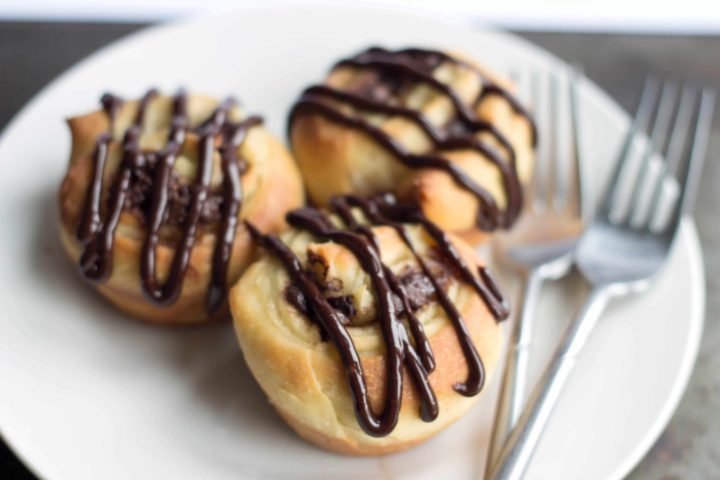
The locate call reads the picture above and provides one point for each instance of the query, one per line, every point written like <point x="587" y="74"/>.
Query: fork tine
<point x="658" y="135"/>
<point x="695" y="159"/>
<point x="682" y="128"/>
<point x="642" y="114"/>
<point x="680" y="132"/>
<point x="576" y="197"/>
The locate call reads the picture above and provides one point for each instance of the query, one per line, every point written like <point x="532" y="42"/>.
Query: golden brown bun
<point x="271" y="186"/>
<point x="302" y="374"/>
<point x="336" y="159"/>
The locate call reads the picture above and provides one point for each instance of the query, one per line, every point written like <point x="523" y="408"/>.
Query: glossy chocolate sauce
<point x="417" y="64"/>
<point x="97" y="233"/>
<point x="394" y="309"/>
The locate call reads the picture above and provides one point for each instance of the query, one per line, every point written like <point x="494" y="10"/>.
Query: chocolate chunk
<point x="344" y="304"/>
<point x="138" y="192"/>
<point x="179" y="202"/>
<point x="418" y="289"/>
<point x="139" y="196"/>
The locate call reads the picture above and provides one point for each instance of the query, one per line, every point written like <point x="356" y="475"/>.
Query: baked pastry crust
<point x="300" y="370"/>
<point x="337" y="158"/>
<point x="271" y="185"/>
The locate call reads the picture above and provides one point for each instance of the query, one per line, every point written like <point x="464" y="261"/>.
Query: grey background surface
<point x="32" y="54"/>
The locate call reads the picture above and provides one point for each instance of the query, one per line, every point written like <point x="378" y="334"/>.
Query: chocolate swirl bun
<point x="425" y="125"/>
<point x="154" y="197"/>
<point x="369" y="329"/>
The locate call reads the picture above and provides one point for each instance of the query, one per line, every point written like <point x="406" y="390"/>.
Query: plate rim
<point x="688" y="235"/>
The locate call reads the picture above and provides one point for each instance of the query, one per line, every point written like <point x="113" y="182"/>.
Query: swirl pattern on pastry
<point x="374" y="267"/>
<point x="429" y="110"/>
<point x="171" y="171"/>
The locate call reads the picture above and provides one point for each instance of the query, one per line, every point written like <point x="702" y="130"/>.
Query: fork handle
<point x="514" y="381"/>
<point x="524" y="438"/>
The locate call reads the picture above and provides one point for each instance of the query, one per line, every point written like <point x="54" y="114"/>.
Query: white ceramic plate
<point x="87" y="393"/>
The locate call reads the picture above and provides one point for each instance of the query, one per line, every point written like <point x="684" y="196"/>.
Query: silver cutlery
<point x="540" y="246"/>
<point x="624" y="247"/>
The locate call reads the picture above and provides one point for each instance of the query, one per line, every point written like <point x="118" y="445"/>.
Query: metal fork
<point x="623" y="248"/>
<point x="540" y="246"/>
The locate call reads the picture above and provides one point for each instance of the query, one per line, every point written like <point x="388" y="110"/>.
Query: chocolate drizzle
<point x="97" y="233"/>
<point x="417" y="64"/>
<point x="393" y="304"/>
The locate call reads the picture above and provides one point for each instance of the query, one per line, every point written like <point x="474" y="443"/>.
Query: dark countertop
<point x="32" y="54"/>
